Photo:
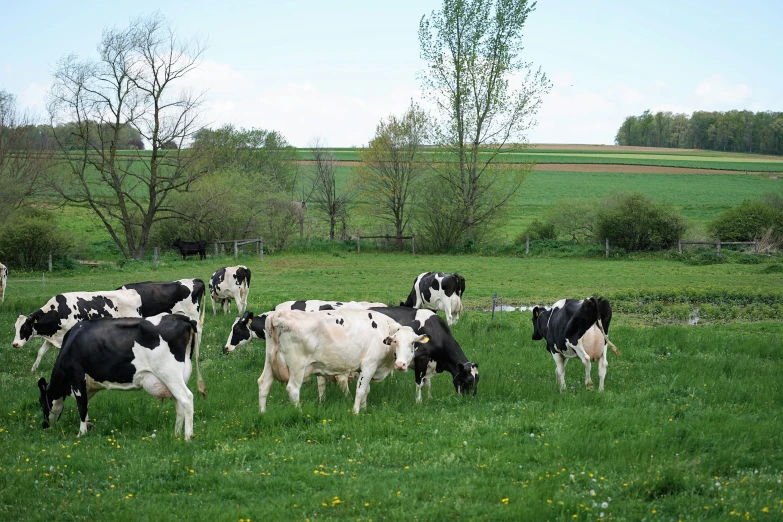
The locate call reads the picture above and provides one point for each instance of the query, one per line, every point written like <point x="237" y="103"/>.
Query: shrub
<point x="747" y="222"/>
<point x="632" y="221"/>
<point x="29" y="236"/>
<point x="538" y="230"/>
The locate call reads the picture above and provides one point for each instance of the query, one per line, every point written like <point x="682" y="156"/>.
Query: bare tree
<point x="21" y="163"/>
<point x="391" y="170"/>
<point x="327" y="197"/>
<point x="485" y="97"/>
<point x="130" y="84"/>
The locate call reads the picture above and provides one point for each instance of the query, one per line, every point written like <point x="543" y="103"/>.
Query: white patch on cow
<point x="75" y="392"/>
<point x="422" y="315"/>
<point x="559" y="304"/>
<point x="155" y="319"/>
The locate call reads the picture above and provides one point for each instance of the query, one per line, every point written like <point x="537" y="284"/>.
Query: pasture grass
<point x="688" y="428"/>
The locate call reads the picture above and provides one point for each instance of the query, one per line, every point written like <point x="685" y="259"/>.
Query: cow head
<point x="25" y="329"/>
<point x="176" y="243"/>
<point x="51" y="409"/>
<point x="467" y="378"/>
<point x="245" y="329"/>
<point x="540" y="317"/>
<point x="404" y="343"/>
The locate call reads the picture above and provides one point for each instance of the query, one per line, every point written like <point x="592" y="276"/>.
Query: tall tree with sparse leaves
<point x="485" y="96"/>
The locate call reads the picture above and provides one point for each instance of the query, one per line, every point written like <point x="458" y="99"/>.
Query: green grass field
<point x="688" y="429"/>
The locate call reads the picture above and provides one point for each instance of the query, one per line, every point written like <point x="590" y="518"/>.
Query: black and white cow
<point x="333" y="342"/>
<point x="441" y="353"/>
<point x="576" y="328"/>
<point x="438" y="291"/>
<point x="191" y="248"/>
<point x="3" y="281"/>
<point x="175" y="297"/>
<point x="64" y="311"/>
<point x="231" y="282"/>
<point x="152" y="353"/>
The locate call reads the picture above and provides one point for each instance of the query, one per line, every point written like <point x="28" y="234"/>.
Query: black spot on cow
<point x="435" y="285"/>
<point x="369" y="315"/>
<point x="326" y="307"/>
<point x="299" y="305"/>
<point x="242" y="275"/>
<point x="374" y="324"/>
<point x="94" y="308"/>
<point x="342" y="321"/>
<point x="217" y="278"/>
<point x="338" y="303"/>
<point x="160" y="298"/>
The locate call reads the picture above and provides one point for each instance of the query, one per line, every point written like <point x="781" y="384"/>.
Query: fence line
<point x="386" y="238"/>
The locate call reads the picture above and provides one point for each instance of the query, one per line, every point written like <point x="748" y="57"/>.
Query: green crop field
<point x="688" y="428"/>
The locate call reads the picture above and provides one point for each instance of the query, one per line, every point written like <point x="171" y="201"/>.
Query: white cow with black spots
<point x="3" y="281"/>
<point x="438" y="291"/>
<point x="231" y="282"/>
<point x="333" y="343"/>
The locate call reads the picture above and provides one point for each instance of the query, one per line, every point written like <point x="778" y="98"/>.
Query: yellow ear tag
<point x="426" y="339"/>
<point x="250" y="321"/>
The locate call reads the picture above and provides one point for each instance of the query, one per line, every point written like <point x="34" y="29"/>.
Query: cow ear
<point x="424" y="339"/>
<point x="536" y="311"/>
<point x="388" y="341"/>
<point x="42" y="385"/>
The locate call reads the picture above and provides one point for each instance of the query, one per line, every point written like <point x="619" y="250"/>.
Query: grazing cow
<point x="438" y="291"/>
<point x="232" y="282"/>
<point x="576" y="328"/>
<point x="333" y="343"/>
<point x="191" y="248"/>
<point x="3" y="281"/>
<point x="176" y="297"/>
<point x="63" y="311"/>
<point x="249" y="327"/>
<point x="441" y="353"/>
<point x="153" y="353"/>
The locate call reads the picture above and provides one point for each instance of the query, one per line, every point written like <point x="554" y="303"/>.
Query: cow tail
<point x="202" y="388"/>
<point x="606" y="338"/>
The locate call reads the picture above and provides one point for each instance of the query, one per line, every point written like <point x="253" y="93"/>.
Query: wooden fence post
<point x="156" y="254"/>
<point x="679" y="246"/>
<point x="236" y="250"/>
<point x="386" y="242"/>
<point x="607" y="248"/>
<point x="50" y="261"/>
<point x="718" y="246"/>
<point x="216" y="249"/>
<point x="413" y="244"/>
<point x="358" y="244"/>
<point x="261" y="249"/>
<point x="527" y="244"/>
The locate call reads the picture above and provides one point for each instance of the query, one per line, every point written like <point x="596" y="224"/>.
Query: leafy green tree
<point x="748" y="221"/>
<point x="484" y="96"/>
<point x="634" y="222"/>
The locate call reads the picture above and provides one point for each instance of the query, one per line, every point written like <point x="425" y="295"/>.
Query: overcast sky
<point x="333" y="69"/>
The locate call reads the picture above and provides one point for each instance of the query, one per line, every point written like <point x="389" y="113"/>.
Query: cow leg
<point x="321" y="388"/>
<point x="41" y="352"/>
<point x="79" y="392"/>
<point x="295" y="379"/>
<point x="580" y="352"/>
<point x="242" y="301"/>
<point x="363" y="389"/>
<point x="183" y="401"/>
<point x="212" y="298"/>
<point x="449" y="318"/>
<point x="560" y="363"/>
<point x="602" y="364"/>
<point x="342" y="382"/>
<point x="264" y="385"/>
<point x="420" y="366"/>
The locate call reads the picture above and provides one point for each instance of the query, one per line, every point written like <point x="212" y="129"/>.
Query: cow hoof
<point x="589" y="386"/>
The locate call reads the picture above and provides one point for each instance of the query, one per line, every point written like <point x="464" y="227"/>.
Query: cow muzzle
<point x="16" y="345"/>
<point x="401" y="367"/>
<point x="227" y="349"/>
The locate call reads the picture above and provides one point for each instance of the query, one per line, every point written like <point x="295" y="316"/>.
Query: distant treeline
<point x="46" y="137"/>
<point x="732" y="131"/>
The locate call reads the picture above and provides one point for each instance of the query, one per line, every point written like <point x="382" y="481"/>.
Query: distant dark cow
<point x="175" y="297"/>
<point x="191" y="248"/>
<point x="576" y="328"/>
<point x="3" y="281"/>
<point x="441" y="353"/>
<point x="438" y="291"/>
<point x="152" y="353"/>
<point x="63" y="311"/>
<point x="232" y="282"/>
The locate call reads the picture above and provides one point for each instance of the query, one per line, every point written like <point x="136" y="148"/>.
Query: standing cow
<point x="176" y="297"/>
<point x="576" y="328"/>
<point x="3" y="281"/>
<point x="152" y="353"/>
<point x="333" y="343"/>
<point x="64" y="311"/>
<point x="438" y="291"/>
<point x="440" y="353"/>
<point x="191" y="248"/>
<point x="232" y="282"/>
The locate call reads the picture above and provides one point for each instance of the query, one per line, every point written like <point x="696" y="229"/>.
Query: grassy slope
<point x="675" y="420"/>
